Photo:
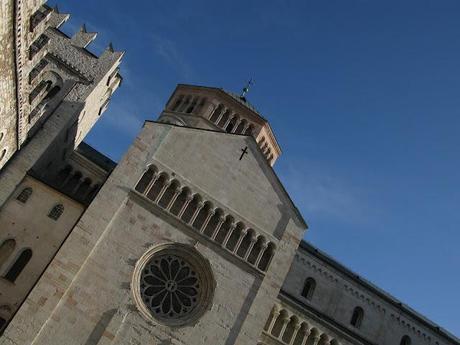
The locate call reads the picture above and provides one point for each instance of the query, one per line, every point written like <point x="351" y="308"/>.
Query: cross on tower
<point x="244" y="152"/>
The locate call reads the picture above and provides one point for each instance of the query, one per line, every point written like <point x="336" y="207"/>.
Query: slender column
<point x="245" y="128"/>
<point x="182" y="210"/>
<point x="67" y="179"/>
<point x="315" y="340"/>
<point x="283" y="329"/>
<point x="276" y="313"/>
<point x="163" y="190"/>
<point x="176" y="194"/>
<point x="219" y="225"/>
<point x="230" y="118"/>
<point x="198" y="209"/>
<point x="294" y="335"/>
<point x="80" y="181"/>
<point x="208" y="218"/>
<point x="237" y="123"/>
<point x="229" y="233"/>
<point x="150" y="185"/>
<point x="184" y="104"/>
<point x="224" y="110"/>
<point x="305" y="339"/>
<point x="240" y="239"/>
<point x="262" y="251"/>
<point x="251" y="245"/>
<point x="196" y="104"/>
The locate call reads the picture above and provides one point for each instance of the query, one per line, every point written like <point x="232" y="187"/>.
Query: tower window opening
<point x="18" y="265"/>
<point x="405" y="340"/>
<point x="309" y="288"/>
<point x="357" y="317"/>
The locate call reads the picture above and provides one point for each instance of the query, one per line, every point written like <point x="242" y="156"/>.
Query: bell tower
<point x="220" y="110"/>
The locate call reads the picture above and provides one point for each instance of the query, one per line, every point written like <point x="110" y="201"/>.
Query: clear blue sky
<point x="363" y="95"/>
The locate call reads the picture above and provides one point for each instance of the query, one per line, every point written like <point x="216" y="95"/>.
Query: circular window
<point x="173" y="284"/>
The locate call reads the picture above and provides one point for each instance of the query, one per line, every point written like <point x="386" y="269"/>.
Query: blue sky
<point x="363" y="95"/>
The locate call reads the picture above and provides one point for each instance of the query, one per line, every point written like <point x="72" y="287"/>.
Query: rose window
<point x="169" y="286"/>
<point x="174" y="283"/>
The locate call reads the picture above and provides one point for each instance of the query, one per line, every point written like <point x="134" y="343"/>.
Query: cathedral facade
<point x="189" y="239"/>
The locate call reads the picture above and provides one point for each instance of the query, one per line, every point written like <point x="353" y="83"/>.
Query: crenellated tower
<point x="53" y="90"/>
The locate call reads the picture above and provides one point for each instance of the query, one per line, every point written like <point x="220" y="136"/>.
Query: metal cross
<point x="244" y="152"/>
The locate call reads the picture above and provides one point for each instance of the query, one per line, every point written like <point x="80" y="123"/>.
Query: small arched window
<point x="24" y="195"/>
<point x="56" y="212"/>
<point x="18" y="265"/>
<point x="2" y="323"/>
<point x="405" y="340"/>
<point x="309" y="288"/>
<point x="357" y="317"/>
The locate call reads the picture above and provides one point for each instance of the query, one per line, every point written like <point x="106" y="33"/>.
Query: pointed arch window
<point x="309" y="288"/>
<point x="405" y="340"/>
<point x="56" y="212"/>
<point x="357" y="317"/>
<point x="24" y="195"/>
<point x="18" y="265"/>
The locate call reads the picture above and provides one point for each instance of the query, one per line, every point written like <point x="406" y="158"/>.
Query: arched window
<point x="18" y="265"/>
<point x="52" y="92"/>
<point x="405" y="340"/>
<point x="24" y="195"/>
<point x="6" y="249"/>
<point x="56" y="212"/>
<point x="357" y="317"/>
<point x="2" y="323"/>
<point x="309" y="288"/>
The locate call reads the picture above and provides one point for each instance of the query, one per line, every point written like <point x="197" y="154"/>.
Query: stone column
<point x="307" y="333"/>
<point x="262" y="251"/>
<point x="219" y="225"/>
<point x="240" y="239"/>
<point x="151" y="183"/>
<point x="283" y="329"/>
<point x="237" y="123"/>
<point x="294" y="335"/>
<point x="163" y="190"/>
<point x="229" y="233"/>
<point x="224" y="110"/>
<point x="276" y="314"/>
<point x="251" y="245"/>
<point x="173" y="199"/>
<point x="208" y="218"/>
<point x="187" y="201"/>
<point x="195" y="214"/>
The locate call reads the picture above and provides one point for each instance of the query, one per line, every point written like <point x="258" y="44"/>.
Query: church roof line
<point x="293" y="205"/>
<point x="436" y="329"/>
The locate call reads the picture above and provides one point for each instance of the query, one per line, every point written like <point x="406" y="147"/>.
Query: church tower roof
<point x="217" y="109"/>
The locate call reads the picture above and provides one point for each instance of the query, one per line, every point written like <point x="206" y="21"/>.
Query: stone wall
<point x="27" y="222"/>
<point x="339" y="291"/>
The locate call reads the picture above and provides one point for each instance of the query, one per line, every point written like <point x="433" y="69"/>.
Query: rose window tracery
<point x="169" y="286"/>
<point x="173" y="284"/>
